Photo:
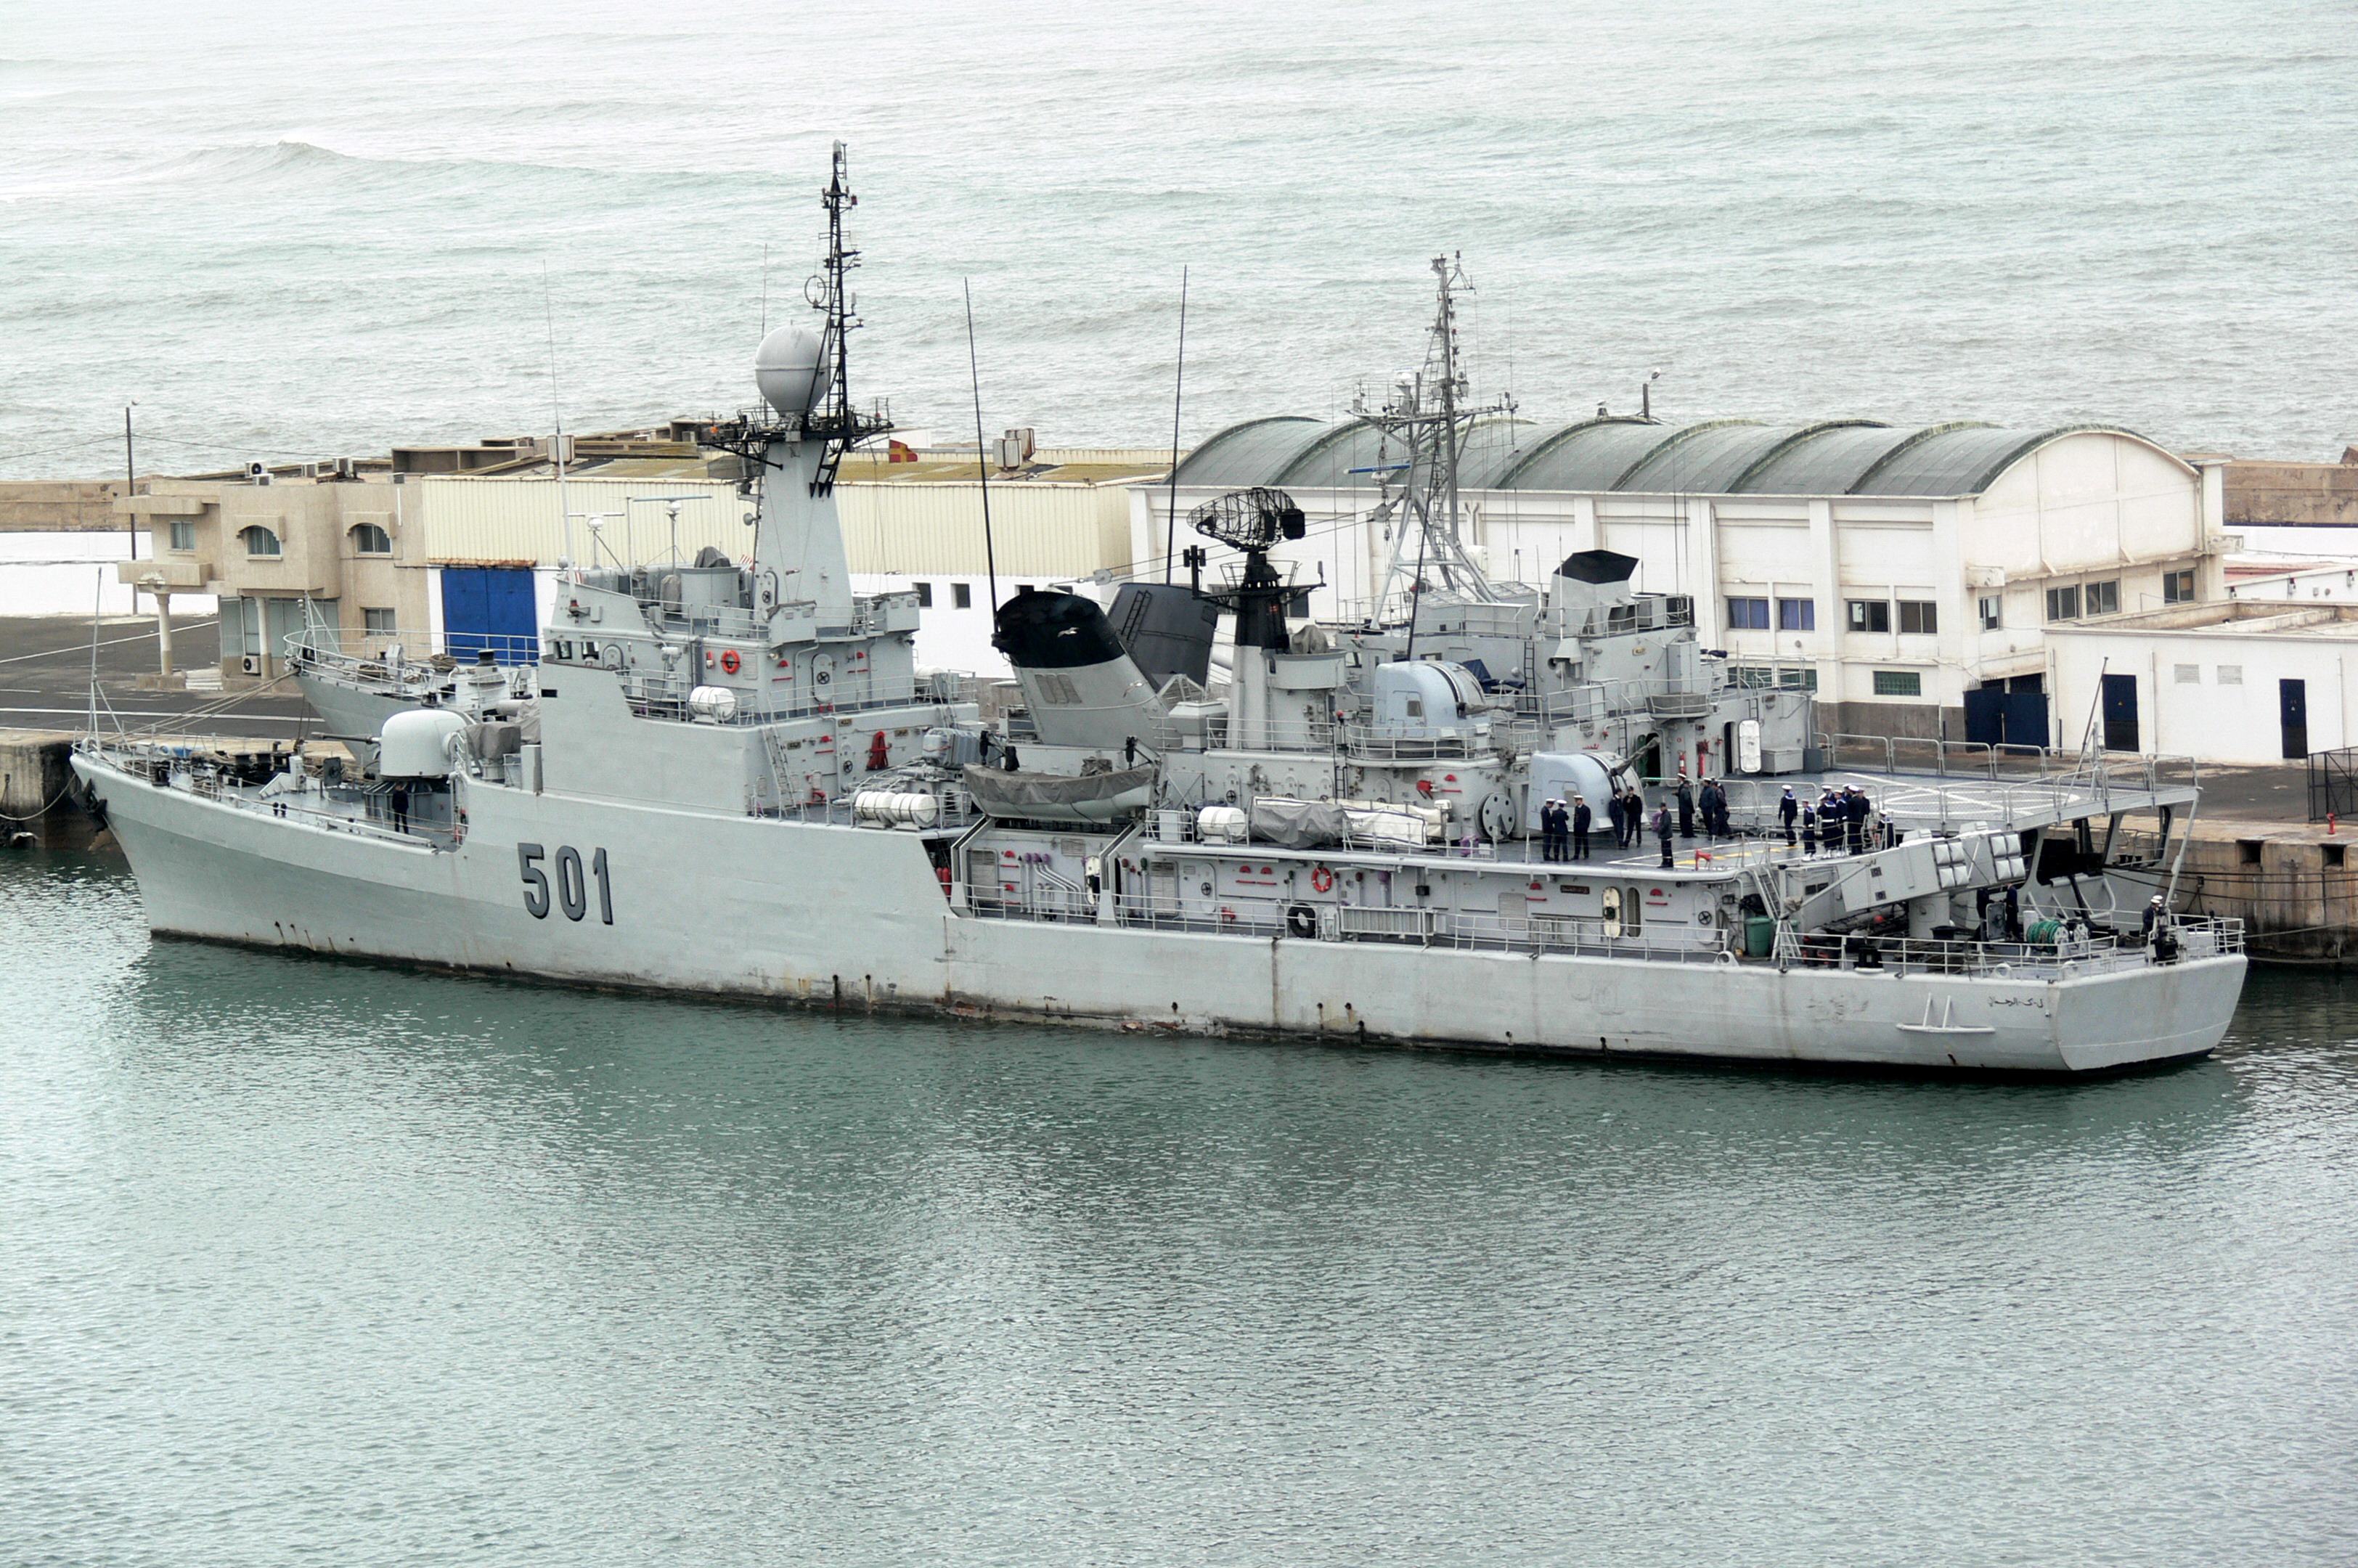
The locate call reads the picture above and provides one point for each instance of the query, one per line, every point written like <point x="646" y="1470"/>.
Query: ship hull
<point x="707" y="904"/>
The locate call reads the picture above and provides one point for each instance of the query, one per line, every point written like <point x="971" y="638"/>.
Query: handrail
<point x="2198" y="936"/>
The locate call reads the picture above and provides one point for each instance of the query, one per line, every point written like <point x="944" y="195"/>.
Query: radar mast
<point x="1426" y="420"/>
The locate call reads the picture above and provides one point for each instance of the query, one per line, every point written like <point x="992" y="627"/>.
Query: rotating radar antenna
<point x="1250" y="521"/>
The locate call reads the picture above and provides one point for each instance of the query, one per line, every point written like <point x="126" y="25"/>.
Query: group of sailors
<point x="1844" y="821"/>
<point x="1841" y="821"/>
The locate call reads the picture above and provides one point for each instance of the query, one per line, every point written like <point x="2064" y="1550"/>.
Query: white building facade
<point x="1892" y="570"/>
<point x="2239" y="681"/>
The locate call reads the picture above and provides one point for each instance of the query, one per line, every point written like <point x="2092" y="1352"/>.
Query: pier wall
<point x="41" y="802"/>
<point x="2289" y="883"/>
<point x="2313" y="493"/>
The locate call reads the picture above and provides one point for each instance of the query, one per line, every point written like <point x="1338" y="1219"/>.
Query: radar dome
<point x="788" y="369"/>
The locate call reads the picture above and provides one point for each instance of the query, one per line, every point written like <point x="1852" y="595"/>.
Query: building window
<point x="184" y="534"/>
<point x="1797" y="615"/>
<point x="925" y="595"/>
<point x="2188" y="674"/>
<point x="1759" y="677"/>
<point x="2104" y="598"/>
<point x="2230" y="674"/>
<point x="1870" y="615"/>
<point x="376" y="623"/>
<point x="2177" y="588"/>
<point x="962" y="595"/>
<point x="1919" y="617"/>
<point x="259" y="541"/>
<point x="368" y="539"/>
<point x="1898" y="683"/>
<point x="1747" y="615"/>
<point x="1992" y="612"/>
<point x="2063" y="604"/>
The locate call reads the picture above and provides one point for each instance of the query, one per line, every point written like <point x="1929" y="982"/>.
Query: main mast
<point x="793" y="447"/>
<point x="1425" y="418"/>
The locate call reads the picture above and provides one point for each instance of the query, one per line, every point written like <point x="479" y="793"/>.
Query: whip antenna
<point x="1178" y="384"/>
<point x="981" y="464"/>
<point x="557" y="413"/>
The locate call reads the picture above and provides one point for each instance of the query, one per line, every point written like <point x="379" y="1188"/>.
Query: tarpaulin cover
<point x="1299" y="824"/>
<point x="1054" y="796"/>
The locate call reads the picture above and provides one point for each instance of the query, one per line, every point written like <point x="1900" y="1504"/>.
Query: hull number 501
<point x="571" y="889"/>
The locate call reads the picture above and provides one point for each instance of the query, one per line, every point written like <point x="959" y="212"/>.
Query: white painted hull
<point x="711" y="903"/>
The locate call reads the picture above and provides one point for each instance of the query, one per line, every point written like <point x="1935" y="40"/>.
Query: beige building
<point x="453" y="549"/>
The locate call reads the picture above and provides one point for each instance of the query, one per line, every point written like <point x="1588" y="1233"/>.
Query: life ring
<point x="1322" y="879"/>
<point x="728" y="661"/>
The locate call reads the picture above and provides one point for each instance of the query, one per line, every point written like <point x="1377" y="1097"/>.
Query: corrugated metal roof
<point x="1254" y="453"/>
<point x="1820" y="459"/>
<point x="1326" y="462"/>
<point x="1591" y="455"/>
<point x="1704" y="459"/>
<point x="1719" y="457"/>
<point x="1962" y="460"/>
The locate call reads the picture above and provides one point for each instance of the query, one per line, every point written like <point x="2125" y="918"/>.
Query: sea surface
<point x="309" y="1262"/>
<point x="301" y="231"/>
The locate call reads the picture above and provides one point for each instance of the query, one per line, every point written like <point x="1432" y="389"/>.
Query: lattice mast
<point x="1426" y="420"/>
<point x="834" y="421"/>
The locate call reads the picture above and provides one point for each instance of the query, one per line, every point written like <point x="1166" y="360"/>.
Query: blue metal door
<point x="2120" y="713"/>
<point x="2292" y="717"/>
<point x="489" y="608"/>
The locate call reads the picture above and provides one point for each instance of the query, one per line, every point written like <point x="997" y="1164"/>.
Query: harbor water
<point x="308" y="1262"/>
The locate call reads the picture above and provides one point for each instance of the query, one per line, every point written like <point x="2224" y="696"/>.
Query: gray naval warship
<point x="734" y="779"/>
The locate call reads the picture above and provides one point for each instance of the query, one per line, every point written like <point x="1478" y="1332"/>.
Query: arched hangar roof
<point x="1719" y="457"/>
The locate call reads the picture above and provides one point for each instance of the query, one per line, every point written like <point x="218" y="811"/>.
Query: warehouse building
<point x="1893" y="570"/>
<point x="455" y="548"/>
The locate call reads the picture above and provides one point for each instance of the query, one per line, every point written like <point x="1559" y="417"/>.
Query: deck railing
<point x="1657" y="941"/>
<point x="2195" y="936"/>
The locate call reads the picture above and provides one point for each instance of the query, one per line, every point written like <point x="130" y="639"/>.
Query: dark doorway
<point x="2293" y="713"/>
<point x="2003" y="713"/>
<point x="2120" y="713"/>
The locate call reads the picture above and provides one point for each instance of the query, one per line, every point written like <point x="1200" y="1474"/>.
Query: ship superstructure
<point x="732" y="777"/>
